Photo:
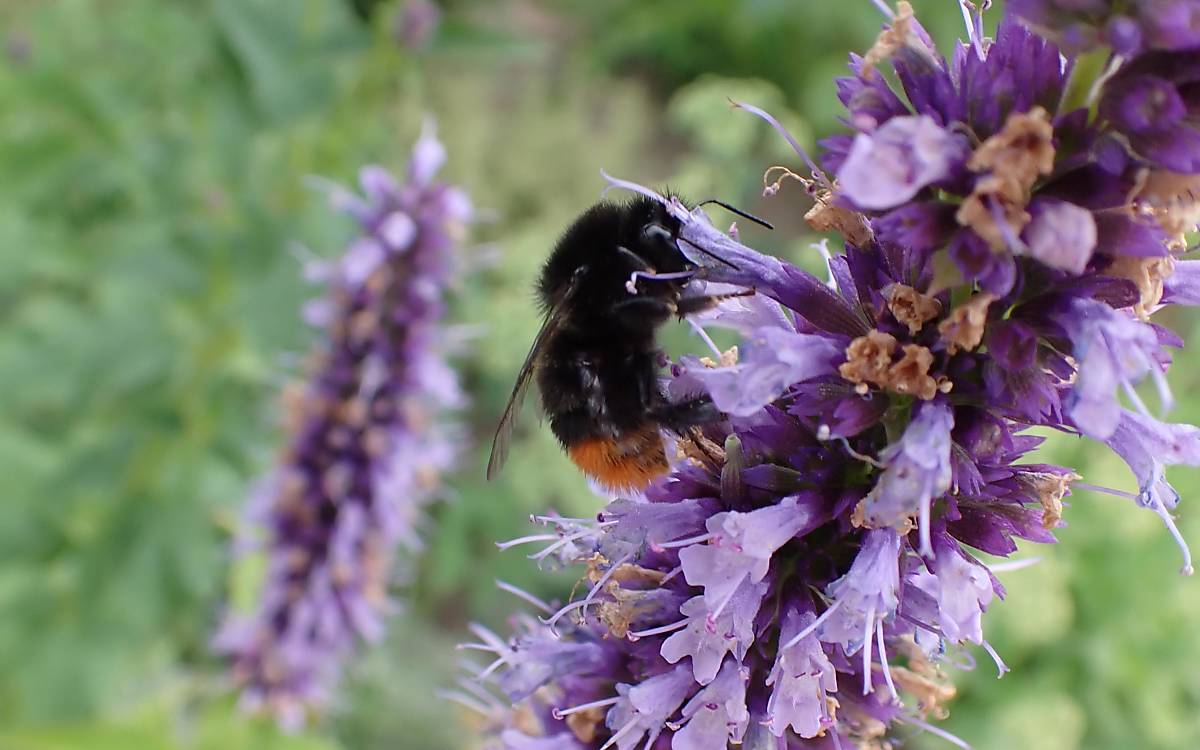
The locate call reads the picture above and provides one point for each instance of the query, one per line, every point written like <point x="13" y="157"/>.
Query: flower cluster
<point x="801" y="576"/>
<point x="367" y="442"/>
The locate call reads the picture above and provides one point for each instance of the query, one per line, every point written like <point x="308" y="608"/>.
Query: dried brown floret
<point x="931" y="694"/>
<point x="891" y="39"/>
<point x="1148" y="274"/>
<point x="1173" y="200"/>
<point x="868" y="359"/>
<point x="1049" y="489"/>
<point x="1022" y="150"/>
<point x="583" y="724"/>
<point x="910" y="307"/>
<point x="995" y="209"/>
<point x="1016" y="156"/>
<point x="825" y="216"/>
<point x="963" y="328"/>
<point x="910" y="376"/>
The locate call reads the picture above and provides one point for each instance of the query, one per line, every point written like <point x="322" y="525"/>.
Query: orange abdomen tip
<point x="627" y="463"/>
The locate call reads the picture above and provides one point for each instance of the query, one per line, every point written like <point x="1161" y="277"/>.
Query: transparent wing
<point x="552" y="323"/>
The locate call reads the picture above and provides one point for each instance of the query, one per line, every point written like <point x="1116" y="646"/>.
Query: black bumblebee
<point x="614" y="277"/>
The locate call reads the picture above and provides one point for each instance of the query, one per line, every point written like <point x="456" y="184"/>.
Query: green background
<point x="155" y="162"/>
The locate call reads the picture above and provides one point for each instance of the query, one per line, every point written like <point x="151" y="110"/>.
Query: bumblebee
<point x="616" y="275"/>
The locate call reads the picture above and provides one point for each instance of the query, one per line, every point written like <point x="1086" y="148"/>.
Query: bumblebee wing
<point x="552" y="323"/>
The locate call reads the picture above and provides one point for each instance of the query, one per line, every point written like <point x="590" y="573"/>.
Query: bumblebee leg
<point x="638" y="261"/>
<point x="640" y="309"/>
<point x="681" y="415"/>
<point x="690" y="305"/>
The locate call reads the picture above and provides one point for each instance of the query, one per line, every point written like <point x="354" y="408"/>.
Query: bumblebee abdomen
<point x="627" y="463"/>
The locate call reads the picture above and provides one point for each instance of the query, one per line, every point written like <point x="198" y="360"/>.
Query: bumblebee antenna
<point x="709" y="253"/>
<point x="734" y="210"/>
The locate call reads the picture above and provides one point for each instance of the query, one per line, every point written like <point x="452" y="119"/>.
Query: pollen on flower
<point x="963" y="328"/>
<point x="910" y="307"/>
<point x="729" y="358"/>
<point x="631" y="573"/>
<point x="892" y="38"/>
<point x="1014" y="158"/>
<point x="860" y="520"/>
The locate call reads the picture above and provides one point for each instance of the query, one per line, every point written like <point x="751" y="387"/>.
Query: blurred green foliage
<point x="154" y="157"/>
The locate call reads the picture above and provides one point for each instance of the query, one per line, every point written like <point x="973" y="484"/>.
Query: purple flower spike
<point x="1006" y="247"/>
<point x="891" y="165"/>
<point x="368" y="444"/>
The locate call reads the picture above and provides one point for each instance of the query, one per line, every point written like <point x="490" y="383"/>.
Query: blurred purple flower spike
<point x="368" y="444"/>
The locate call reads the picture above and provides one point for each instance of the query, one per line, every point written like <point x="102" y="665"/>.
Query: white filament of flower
<point x="883" y="8"/>
<point x="868" y="627"/>
<point x="936" y="731"/>
<point x="524" y="595"/>
<point x="972" y="30"/>
<point x="1000" y="665"/>
<point x="635" y="635"/>
<point x="712" y="345"/>
<point x="1009" y="566"/>
<point x="812" y="627"/>
<point x="700" y="539"/>
<point x="560" y="544"/>
<point x="560" y="714"/>
<point x="822" y="247"/>
<point x="925" y="520"/>
<point x="527" y="540"/>
<point x="883" y="660"/>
